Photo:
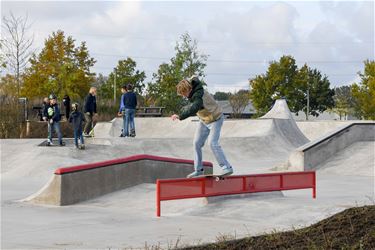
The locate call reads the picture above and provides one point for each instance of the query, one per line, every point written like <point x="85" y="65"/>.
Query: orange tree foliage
<point x="60" y="68"/>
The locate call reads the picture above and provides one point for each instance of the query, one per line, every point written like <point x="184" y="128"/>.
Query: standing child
<point x="53" y="115"/>
<point x="77" y="119"/>
<point x="211" y="119"/>
<point x="130" y="103"/>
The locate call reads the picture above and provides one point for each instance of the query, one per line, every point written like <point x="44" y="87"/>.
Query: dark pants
<point x="88" y="124"/>
<point x="129" y="121"/>
<point x="54" y="126"/>
<point x="78" y="133"/>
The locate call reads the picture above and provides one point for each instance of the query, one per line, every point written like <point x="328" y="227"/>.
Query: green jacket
<point x="201" y="104"/>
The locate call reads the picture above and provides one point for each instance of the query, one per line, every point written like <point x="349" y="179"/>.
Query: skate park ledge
<point x="70" y="185"/>
<point x="318" y="151"/>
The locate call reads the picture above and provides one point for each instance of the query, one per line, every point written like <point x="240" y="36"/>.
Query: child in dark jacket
<point x="130" y="104"/>
<point x="77" y="119"/>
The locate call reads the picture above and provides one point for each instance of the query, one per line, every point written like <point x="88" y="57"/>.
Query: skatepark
<point x="123" y="215"/>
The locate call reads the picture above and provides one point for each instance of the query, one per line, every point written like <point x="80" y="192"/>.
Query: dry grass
<point x="353" y="228"/>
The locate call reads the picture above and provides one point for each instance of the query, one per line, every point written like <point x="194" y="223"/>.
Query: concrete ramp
<point x="74" y="184"/>
<point x="312" y="155"/>
<point x="284" y="124"/>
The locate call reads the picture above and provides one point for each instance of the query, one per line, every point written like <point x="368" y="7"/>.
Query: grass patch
<point x="353" y="228"/>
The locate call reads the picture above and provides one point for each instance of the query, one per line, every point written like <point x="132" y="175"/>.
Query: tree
<point x="364" y="92"/>
<point x="16" y="45"/>
<point x="8" y="86"/>
<point x="222" y="96"/>
<point x="279" y="81"/>
<point x="100" y="80"/>
<point x="283" y="79"/>
<point x="61" y="68"/>
<point x="315" y="94"/>
<point x="343" y="101"/>
<point x="186" y="63"/>
<point x="125" y="73"/>
<point x="239" y="100"/>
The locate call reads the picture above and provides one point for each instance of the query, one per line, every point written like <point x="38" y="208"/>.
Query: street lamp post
<point x="114" y="86"/>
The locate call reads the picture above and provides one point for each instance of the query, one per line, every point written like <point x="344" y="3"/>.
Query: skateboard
<point x="90" y="134"/>
<point x="217" y="177"/>
<point x="48" y="144"/>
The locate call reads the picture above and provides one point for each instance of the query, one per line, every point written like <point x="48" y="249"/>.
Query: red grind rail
<point x="173" y="189"/>
<point x="133" y="158"/>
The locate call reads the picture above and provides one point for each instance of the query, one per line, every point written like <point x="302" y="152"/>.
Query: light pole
<point x="308" y="102"/>
<point x="114" y="86"/>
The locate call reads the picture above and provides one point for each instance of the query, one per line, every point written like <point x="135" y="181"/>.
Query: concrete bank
<point x="74" y="184"/>
<point x="314" y="153"/>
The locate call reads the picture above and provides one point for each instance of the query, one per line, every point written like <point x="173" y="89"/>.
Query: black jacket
<point x="56" y="117"/>
<point x="195" y="99"/>
<point x="90" y="104"/>
<point x="130" y="100"/>
<point x="77" y="119"/>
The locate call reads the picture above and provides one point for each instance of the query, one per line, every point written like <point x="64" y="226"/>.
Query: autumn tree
<point x="186" y="63"/>
<point x="364" y="92"/>
<point x="344" y="102"/>
<point x="61" y="67"/>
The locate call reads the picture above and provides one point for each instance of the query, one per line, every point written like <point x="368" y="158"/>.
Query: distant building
<point x="248" y="112"/>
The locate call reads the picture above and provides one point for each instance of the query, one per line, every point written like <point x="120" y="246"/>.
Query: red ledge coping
<point x="82" y="167"/>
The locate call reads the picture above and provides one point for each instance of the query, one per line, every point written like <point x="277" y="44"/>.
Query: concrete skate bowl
<point x="75" y="184"/>
<point x="338" y="144"/>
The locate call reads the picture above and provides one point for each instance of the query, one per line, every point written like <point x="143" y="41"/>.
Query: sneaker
<point x="82" y="146"/>
<point x="62" y="144"/>
<point x="226" y="171"/>
<point x="196" y="173"/>
<point x="121" y="135"/>
<point x="49" y="142"/>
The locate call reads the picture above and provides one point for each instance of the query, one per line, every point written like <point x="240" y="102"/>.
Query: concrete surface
<point x="126" y="218"/>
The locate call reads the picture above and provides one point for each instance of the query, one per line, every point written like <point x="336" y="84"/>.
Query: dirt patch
<point x="353" y="228"/>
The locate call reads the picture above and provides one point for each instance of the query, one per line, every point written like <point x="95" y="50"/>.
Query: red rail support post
<point x="158" y="198"/>
<point x="314" y="185"/>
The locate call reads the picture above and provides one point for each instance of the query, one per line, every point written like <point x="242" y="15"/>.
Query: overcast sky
<point x="241" y="38"/>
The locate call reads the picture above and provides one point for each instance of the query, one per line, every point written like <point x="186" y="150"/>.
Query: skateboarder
<point x="211" y="120"/>
<point x="77" y="118"/>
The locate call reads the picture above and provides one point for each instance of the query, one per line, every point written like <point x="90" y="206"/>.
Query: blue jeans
<point x="78" y="133"/>
<point x="54" y="126"/>
<point x="128" y="121"/>
<point x="201" y="135"/>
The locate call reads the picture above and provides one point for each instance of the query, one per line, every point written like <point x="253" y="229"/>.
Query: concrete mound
<point x="284" y="124"/>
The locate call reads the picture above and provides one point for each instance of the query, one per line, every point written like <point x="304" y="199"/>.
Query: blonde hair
<point x="183" y="87"/>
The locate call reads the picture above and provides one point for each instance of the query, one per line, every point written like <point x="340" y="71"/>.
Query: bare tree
<point x="239" y="101"/>
<point x="16" y="45"/>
